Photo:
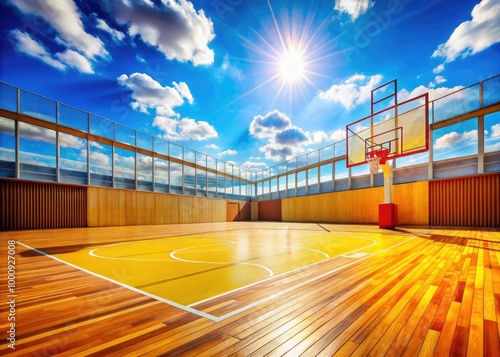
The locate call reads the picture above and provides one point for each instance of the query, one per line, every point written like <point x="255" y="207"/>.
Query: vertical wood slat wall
<point x="36" y="205"/>
<point x="467" y="201"/>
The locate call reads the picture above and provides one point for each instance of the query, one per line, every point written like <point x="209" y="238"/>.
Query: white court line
<point x="172" y="255"/>
<point x="169" y="302"/>
<point x="237" y="311"/>
<point x="261" y="301"/>
<point x="287" y="272"/>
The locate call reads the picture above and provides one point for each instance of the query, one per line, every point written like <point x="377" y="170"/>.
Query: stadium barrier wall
<point x="39" y="205"/>
<point x="472" y="201"/>
<point x="360" y="206"/>
<point x="270" y="210"/>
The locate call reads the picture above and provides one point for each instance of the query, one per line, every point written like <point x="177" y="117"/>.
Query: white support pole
<point x="387" y="169"/>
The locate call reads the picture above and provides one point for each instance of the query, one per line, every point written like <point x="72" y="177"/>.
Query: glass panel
<point x="456" y="140"/>
<point x="491" y="91"/>
<point x="212" y="184"/>
<point x="100" y="165"/>
<point x="312" y="178"/>
<point x="73" y="118"/>
<point x="282" y="168"/>
<point x="161" y="146"/>
<point x="360" y="170"/>
<point x="282" y="186"/>
<point x="456" y="103"/>
<point x="161" y="175"/>
<point x="313" y="157"/>
<point x="72" y="159"/>
<point x="175" y="178"/>
<point x="37" y="152"/>
<point x="8" y="97"/>
<point x="326" y="153"/>
<point x="175" y="151"/>
<point x="291" y="164"/>
<point x="102" y="127"/>
<point x="37" y="106"/>
<point x="265" y="190"/>
<point x="221" y="166"/>
<point x="221" y="186"/>
<point x="301" y="183"/>
<point x="144" y="172"/>
<point x="340" y="148"/>
<point x="237" y="189"/>
<point x="301" y="161"/>
<point x="189" y="155"/>
<point x="201" y="182"/>
<point x="229" y="169"/>
<point x="341" y="170"/>
<point x="144" y="141"/>
<point x="125" y="135"/>
<point x="325" y="173"/>
<point x="124" y="168"/>
<point x="492" y="132"/>
<point x="416" y="159"/>
<point x="229" y="187"/>
<point x="189" y="180"/>
<point x="211" y="162"/>
<point x="201" y="159"/>
<point x="291" y="185"/>
<point x="326" y="178"/>
<point x="7" y="147"/>
<point x="259" y="189"/>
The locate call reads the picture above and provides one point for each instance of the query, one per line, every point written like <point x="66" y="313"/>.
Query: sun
<point x="292" y="65"/>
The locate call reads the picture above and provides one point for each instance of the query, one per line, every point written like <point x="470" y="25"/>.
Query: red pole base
<point x="387" y="215"/>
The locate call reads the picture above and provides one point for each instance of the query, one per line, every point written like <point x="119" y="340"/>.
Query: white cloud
<point x="337" y="135"/>
<point x="36" y="133"/>
<point x="251" y="165"/>
<point x="115" y="34"/>
<point x="70" y="141"/>
<point x="185" y="129"/>
<point x="352" y="92"/>
<point x="439" y="79"/>
<point x="495" y="131"/>
<point x="140" y="59"/>
<point x="475" y="35"/>
<point x="438" y="69"/>
<point x="148" y="93"/>
<point x="354" y="8"/>
<point x="75" y="60"/>
<point x="212" y="146"/>
<point x="229" y="69"/>
<point x="228" y="152"/>
<point x="433" y="93"/>
<point x="453" y="138"/>
<point x="64" y="17"/>
<point x="99" y="158"/>
<point x="174" y="27"/>
<point x="27" y="45"/>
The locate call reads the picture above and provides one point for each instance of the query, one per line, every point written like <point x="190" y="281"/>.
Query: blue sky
<point x="249" y="82"/>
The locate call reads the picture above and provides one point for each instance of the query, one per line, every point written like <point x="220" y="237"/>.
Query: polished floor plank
<point x="435" y="294"/>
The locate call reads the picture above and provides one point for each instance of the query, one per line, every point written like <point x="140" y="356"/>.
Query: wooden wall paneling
<point x="38" y="205"/>
<point x="465" y="201"/>
<point x="254" y="207"/>
<point x="412" y="200"/>
<point x="245" y="211"/>
<point x="270" y="210"/>
<point x="232" y="211"/>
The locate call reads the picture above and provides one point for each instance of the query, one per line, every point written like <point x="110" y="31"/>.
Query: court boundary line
<point x="145" y="293"/>
<point x="214" y="318"/>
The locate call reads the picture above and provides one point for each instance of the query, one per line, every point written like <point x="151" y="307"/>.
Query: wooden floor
<point x="435" y="295"/>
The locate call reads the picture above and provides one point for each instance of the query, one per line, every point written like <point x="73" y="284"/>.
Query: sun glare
<point x="292" y="66"/>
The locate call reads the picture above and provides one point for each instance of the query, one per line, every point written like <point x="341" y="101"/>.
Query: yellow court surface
<point x="191" y="268"/>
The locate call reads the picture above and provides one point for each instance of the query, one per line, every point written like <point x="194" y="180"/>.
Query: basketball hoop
<point x="377" y="158"/>
<point x="374" y="164"/>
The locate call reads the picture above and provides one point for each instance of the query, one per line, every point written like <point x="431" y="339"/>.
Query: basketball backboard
<point x="396" y="130"/>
